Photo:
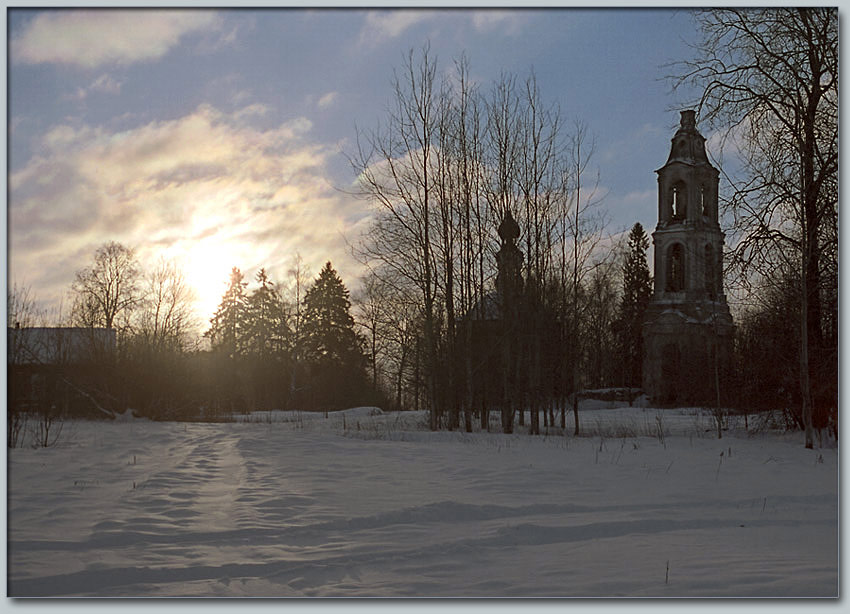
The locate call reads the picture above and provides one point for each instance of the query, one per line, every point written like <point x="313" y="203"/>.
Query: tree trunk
<point x="805" y="382"/>
<point x="575" y="412"/>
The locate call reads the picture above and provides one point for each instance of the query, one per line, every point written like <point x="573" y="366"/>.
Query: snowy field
<point x="356" y="504"/>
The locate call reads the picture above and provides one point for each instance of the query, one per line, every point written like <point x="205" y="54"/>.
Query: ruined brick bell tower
<point x="687" y="331"/>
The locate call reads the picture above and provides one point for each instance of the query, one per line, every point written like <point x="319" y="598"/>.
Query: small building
<point x="57" y="368"/>
<point x="688" y="329"/>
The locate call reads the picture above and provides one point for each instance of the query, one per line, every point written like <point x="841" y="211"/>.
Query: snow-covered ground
<point x="360" y="503"/>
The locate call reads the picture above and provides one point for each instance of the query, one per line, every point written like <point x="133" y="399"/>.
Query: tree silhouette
<point x="227" y="330"/>
<point x="266" y="330"/>
<point x="106" y="291"/>
<point x="332" y="348"/>
<point x="637" y="288"/>
<point x="329" y="335"/>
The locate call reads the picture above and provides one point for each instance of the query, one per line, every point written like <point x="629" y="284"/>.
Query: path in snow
<point x="303" y="509"/>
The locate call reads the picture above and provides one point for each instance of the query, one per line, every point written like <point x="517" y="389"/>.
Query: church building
<point x="687" y="331"/>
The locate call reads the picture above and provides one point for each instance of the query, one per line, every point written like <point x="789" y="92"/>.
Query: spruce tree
<point x="328" y="327"/>
<point x="637" y="289"/>
<point x="266" y="331"/>
<point x="227" y="330"/>
<point x="332" y="349"/>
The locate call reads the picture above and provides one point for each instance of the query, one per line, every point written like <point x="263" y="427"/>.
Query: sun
<point x="208" y="265"/>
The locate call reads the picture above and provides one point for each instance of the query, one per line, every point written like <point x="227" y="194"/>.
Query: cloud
<point x="729" y="141"/>
<point x="230" y="87"/>
<point x="252" y="110"/>
<point x="510" y="22"/>
<point x="627" y="205"/>
<point x="328" y="99"/>
<point x="634" y="142"/>
<point x="104" y="84"/>
<point x="208" y="189"/>
<point x="91" y="38"/>
<point x="383" y="25"/>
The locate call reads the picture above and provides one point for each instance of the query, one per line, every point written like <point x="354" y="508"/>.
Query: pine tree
<point x="266" y="331"/>
<point x="227" y="330"/>
<point x="637" y="289"/>
<point x="328" y="327"/>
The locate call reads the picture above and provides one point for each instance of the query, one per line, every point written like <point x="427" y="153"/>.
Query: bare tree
<point x="540" y="189"/>
<point x="47" y="428"/>
<point x="583" y="223"/>
<point x="21" y="313"/>
<point x="389" y="313"/>
<point x="107" y="291"/>
<point x="21" y="307"/>
<point x="396" y="172"/>
<point x="445" y="170"/>
<point x="770" y="78"/>
<point x="370" y="303"/>
<point x="600" y="323"/>
<point x="166" y="318"/>
<point x="472" y="220"/>
<point x="299" y="276"/>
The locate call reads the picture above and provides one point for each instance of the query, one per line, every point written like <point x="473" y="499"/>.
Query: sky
<point x="218" y="138"/>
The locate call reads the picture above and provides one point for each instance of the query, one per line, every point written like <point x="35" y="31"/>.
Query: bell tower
<point x="687" y="331"/>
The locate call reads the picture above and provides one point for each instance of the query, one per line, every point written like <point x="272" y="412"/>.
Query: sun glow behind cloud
<point x="206" y="264"/>
<point x="209" y="190"/>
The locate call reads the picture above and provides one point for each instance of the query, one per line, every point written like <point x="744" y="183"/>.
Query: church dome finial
<point x="688" y="145"/>
<point x="508" y="229"/>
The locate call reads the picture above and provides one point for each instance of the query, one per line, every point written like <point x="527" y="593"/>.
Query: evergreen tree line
<point x="268" y="353"/>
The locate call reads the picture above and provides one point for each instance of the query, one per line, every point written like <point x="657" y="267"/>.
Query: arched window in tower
<point x="680" y="200"/>
<point x="710" y="282"/>
<point x="676" y="268"/>
<point x="703" y="200"/>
